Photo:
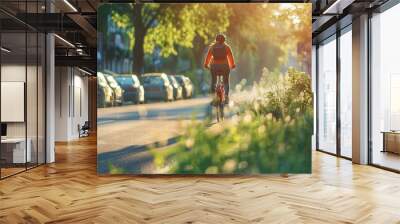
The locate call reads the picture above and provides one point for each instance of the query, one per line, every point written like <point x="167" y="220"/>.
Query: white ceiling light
<point x="5" y="50"/>
<point x="65" y="41"/>
<point x="70" y="5"/>
<point x="84" y="71"/>
<point x="79" y="51"/>
<point x="337" y="7"/>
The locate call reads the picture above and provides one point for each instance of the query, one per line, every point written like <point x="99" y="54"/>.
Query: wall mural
<point x="197" y="88"/>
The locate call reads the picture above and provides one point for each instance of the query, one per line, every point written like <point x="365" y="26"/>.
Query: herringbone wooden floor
<point x="69" y="191"/>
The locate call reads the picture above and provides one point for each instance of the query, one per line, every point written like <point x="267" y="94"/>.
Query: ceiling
<point x="75" y="21"/>
<point x="330" y="15"/>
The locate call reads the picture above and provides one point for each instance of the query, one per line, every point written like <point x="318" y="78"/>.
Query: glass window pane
<point x="346" y="94"/>
<point x="32" y="97"/>
<point x="327" y="96"/>
<point x="13" y="84"/>
<point x="23" y="84"/>
<point x="385" y="86"/>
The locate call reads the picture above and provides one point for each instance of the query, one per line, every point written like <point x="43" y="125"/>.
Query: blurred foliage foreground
<point x="271" y="133"/>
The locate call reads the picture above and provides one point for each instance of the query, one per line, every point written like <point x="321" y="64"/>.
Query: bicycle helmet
<point x="220" y="38"/>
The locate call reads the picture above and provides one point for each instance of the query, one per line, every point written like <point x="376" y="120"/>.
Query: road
<point x="126" y="133"/>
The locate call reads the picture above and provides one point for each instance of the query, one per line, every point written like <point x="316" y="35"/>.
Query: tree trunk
<point x="140" y="33"/>
<point x="199" y="51"/>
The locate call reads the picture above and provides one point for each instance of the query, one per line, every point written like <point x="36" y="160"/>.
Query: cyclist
<point x="220" y="61"/>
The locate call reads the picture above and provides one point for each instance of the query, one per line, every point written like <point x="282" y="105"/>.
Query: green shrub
<point x="271" y="134"/>
<point x="282" y="95"/>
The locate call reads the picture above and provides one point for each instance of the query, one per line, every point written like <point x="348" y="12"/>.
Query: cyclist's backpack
<point x="219" y="51"/>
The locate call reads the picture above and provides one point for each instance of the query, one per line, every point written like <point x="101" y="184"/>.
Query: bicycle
<point x="219" y="98"/>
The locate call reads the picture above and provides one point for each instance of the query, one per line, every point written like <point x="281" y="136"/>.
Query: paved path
<point x="125" y="133"/>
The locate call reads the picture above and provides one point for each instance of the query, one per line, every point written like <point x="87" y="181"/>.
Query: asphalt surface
<point x="126" y="133"/>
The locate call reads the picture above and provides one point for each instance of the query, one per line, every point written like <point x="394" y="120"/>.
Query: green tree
<point x="264" y="35"/>
<point x="297" y="20"/>
<point x="167" y="26"/>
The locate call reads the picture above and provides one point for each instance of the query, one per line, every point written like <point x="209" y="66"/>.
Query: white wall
<point x="16" y="73"/>
<point x="71" y="103"/>
<point x="13" y="73"/>
<point x="13" y="101"/>
<point x="80" y="105"/>
<point x="61" y="103"/>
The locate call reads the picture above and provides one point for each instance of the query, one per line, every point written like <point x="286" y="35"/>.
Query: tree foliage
<point x="179" y="29"/>
<point x="175" y="25"/>
<point x="261" y="35"/>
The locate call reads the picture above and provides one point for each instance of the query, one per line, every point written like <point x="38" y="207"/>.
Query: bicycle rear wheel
<point x="217" y="108"/>
<point x="221" y="111"/>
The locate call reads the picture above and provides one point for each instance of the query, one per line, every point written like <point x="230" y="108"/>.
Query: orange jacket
<point x="229" y="58"/>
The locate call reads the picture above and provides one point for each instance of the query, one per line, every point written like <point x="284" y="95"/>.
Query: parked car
<point x="104" y="91"/>
<point x="133" y="90"/>
<point x="187" y="85"/>
<point x="157" y="87"/>
<point x="177" y="87"/>
<point x="117" y="90"/>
